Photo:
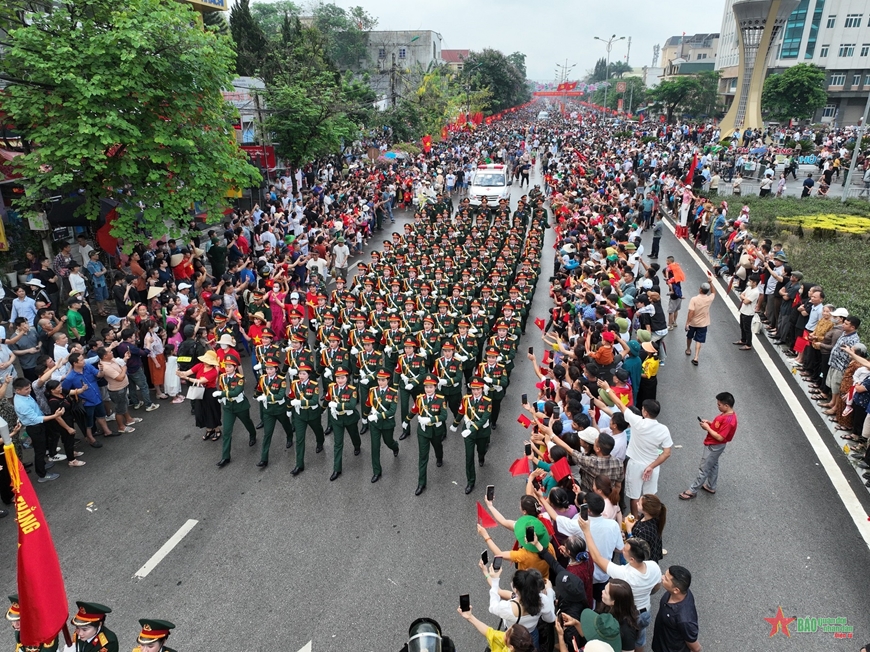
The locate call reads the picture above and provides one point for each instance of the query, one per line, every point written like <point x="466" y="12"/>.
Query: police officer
<point x="431" y="412"/>
<point x="381" y="403"/>
<point x="153" y="636"/>
<point x="272" y="395"/>
<point x="91" y="633"/>
<point x="476" y="410"/>
<point x="231" y="393"/>
<point x="341" y="399"/>
<point x="306" y="411"/>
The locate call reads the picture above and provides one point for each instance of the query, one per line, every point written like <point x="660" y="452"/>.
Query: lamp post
<point x="609" y="44"/>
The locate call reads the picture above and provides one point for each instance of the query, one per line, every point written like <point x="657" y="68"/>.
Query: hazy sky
<point x="548" y="31"/>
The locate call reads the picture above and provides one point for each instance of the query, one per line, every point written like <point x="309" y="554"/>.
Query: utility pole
<point x="628" y="52"/>
<point x="262" y="137"/>
<point x="856" y="151"/>
<point x="393" y="81"/>
<point x="609" y="44"/>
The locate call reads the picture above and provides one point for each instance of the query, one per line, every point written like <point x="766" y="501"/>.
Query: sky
<point x="549" y="31"/>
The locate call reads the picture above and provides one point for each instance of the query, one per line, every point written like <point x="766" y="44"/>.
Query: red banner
<point x="427" y="143"/>
<point x="41" y="592"/>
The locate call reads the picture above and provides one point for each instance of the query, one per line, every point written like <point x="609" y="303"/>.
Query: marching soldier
<point x="306" y="411"/>
<point x="231" y="393"/>
<point x="341" y="399"/>
<point x="379" y="318"/>
<point x="444" y="320"/>
<point x="449" y="372"/>
<point x="466" y="349"/>
<point x="412" y="318"/>
<point x="272" y="394"/>
<point x="395" y="299"/>
<point x="13" y="615"/>
<point x="331" y="359"/>
<point x="153" y="636"/>
<point x="366" y="365"/>
<point x="391" y="342"/>
<point x="431" y="412"/>
<point x="381" y="402"/>
<point x="327" y="328"/>
<point x="496" y="378"/>
<point x="295" y="325"/>
<point x="429" y="340"/>
<point x="355" y="336"/>
<point x="296" y="355"/>
<point x="476" y="410"/>
<point x="410" y="370"/>
<point x="265" y="349"/>
<point x="505" y="344"/>
<point x="91" y="633"/>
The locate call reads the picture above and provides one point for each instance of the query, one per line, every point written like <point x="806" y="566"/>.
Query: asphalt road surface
<point x="275" y="561"/>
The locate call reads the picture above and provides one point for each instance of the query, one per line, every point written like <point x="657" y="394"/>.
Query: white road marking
<point x="844" y="490"/>
<point x="165" y="549"/>
<point x="306" y="647"/>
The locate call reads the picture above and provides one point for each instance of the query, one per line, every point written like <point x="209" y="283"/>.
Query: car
<point x="492" y="181"/>
<point x="543" y="115"/>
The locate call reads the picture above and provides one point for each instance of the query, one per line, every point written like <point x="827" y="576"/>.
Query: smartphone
<point x="464" y="603"/>
<point x="484" y="557"/>
<point x="530" y="534"/>
<point x="700" y="419"/>
<point x="556" y="410"/>
<point x="525" y="398"/>
<point x="528" y="449"/>
<point x="496" y="563"/>
<point x="584" y="512"/>
<point x="490" y="491"/>
<point x="536" y="483"/>
<point x="531" y="350"/>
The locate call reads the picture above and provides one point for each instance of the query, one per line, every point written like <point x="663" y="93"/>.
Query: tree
<point x="694" y="95"/>
<point x="597" y="74"/>
<point x="796" y="93"/>
<point x="493" y="70"/>
<point x="251" y="43"/>
<point x="270" y="15"/>
<point x="635" y="93"/>
<point x="107" y="99"/>
<point x="518" y="59"/>
<point x="218" y="21"/>
<point x="346" y="33"/>
<point x="618" y="69"/>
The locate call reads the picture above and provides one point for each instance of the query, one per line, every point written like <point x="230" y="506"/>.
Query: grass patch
<point x="769" y="216"/>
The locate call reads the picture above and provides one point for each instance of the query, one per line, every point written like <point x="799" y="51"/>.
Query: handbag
<point x="755" y="326"/>
<point x="195" y="392"/>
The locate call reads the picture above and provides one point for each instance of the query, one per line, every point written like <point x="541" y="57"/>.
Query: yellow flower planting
<point x="841" y="223"/>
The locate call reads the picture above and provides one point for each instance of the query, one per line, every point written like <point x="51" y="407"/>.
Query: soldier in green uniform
<point x="366" y="364"/>
<point x="331" y="359"/>
<point x="152" y="637"/>
<point x="231" y="393"/>
<point x="445" y="322"/>
<point x="381" y="403"/>
<point x="410" y="370"/>
<point x="505" y="344"/>
<point x="412" y="318"/>
<point x="259" y="304"/>
<point x="429" y="340"/>
<point x="431" y="412"/>
<point x="306" y="411"/>
<point x="496" y="378"/>
<point x="341" y="399"/>
<point x="476" y="411"/>
<point x="272" y="394"/>
<point x="91" y="633"/>
<point x="391" y="342"/>
<point x="466" y="349"/>
<point x="449" y="373"/>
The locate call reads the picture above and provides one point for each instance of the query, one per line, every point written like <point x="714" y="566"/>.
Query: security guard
<point x="410" y="370"/>
<point x="381" y="403"/>
<point x="476" y="410"/>
<point x="341" y="399"/>
<point x="306" y="411"/>
<point x="496" y="378"/>
<point x="431" y="412"/>
<point x="231" y="393"/>
<point x="91" y="633"/>
<point x="448" y="369"/>
<point x="272" y="394"/>
<point x="153" y="636"/>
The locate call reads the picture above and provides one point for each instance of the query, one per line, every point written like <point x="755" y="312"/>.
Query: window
<point x="865" y="49"/>
<point x="824" y="51"/>
<point x="702" y="56"/>
<point x="856" y="81"/>
<point x="846" y="50"/>
<point x="794" y="31"/>
<point x="814" y="29"/>
<point x="402" y="53"/>
<point x="382" y="53"/>
<point x="867" y="80"/>
<point x="831" y="21"/>
<point x="829" y="111"/>
<point x="854" y="20"/>
<point x="837" y="80"/>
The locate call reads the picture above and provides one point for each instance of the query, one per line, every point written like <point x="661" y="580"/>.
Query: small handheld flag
<point x="483" y="517"/>
<point x="520" y="467"/>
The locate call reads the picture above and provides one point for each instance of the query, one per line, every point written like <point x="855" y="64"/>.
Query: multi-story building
<point x="397" y="58"/>
<point x="455" y="59"/>
<point x="831" y="34"/>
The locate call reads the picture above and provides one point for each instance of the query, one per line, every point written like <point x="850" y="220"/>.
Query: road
<point x="276" y="561"/>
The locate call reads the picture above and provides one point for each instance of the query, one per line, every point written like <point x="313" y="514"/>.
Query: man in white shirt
<point x="84" y="250"/>
<point x="649" y="447"/>
<point x="341" y="254"/>
<point x="268" y="236"/>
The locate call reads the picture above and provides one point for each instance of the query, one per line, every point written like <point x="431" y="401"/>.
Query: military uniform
<point x="431" y="413"/>
<point x="153" y="631"/>
<point x="331" y="359"/>
<point x="409" y="374"/>
<point x="476" y="431"/>
<point x="343" y="415"/>
<point x="496" y="378"/>
<point x="449" y="374"/>
<point x="306" y="411"/>
<point x="272" y="395"/>
<point x="94" y="615"/>
<point x="429" y="341"/>
<point x="381" y="404"/>
<point x="231" y="393"/>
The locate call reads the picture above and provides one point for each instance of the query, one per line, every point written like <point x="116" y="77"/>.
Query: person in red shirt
<point x="719" y="432"/>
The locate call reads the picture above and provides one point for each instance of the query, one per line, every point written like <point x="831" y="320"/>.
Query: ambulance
<point x="492" y="181"/>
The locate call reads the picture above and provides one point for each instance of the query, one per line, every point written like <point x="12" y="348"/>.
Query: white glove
<point x="333" y="405"/>
<point x="296" y="403"/>
<point x="261" y="398"/>
<point x="383" y="293"/>
<point x="404" y="378"/>
<point x="323" y="346"/>
<point x="497" y="388"/>
<point x="472" y="330"/>
<point x="287" y="349"/>
<point x="354" y="350"/>
<point x="488" y="379"/>
<point x="364" y="381"/>
<point x="409" y="386"/>
<point x="315" y="324"/>
<point x="424" y="421"/>
<point x="391" y="310"/>
<point x="222" y="401"/>
<point x="500" y="358"/>
<point x="422" y="352"/>
<point x="346" y="327"/>
<point x="292" y="372"/>
<point x="388" y="350"/>
<point x="409" y="293"/>
<point x="453" y="314"/>
<point x="442" y="382"/>
<point x="373" y="417"/>
<point x="257" y="367"/>
<point x="217" y="394"/>
<point x="420" y="313"/>
<point x="327" y="373"/>
<point x="466" y="432"/>
<point x="334" y="414"/>
<point x="373" y="330"/>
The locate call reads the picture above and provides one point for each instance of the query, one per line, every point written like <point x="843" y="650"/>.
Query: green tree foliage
<point x="493" y="70"/>
<point x="518" y="59"/>
<point x="346" y="33"/>
<point x="695" y="95"/>
<point x="270" y="15"/>
<point x="216" y="20"/>
<point x="796" y="93"/>
<point x="597" y="74"/>
<point x="251" y="43"/>
<point x="635" y="91"/>
<point x="106" y="99"/>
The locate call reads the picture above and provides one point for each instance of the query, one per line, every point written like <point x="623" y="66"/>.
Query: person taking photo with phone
<point x="720" y="431"/>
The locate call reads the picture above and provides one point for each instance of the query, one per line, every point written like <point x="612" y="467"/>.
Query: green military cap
<point x="153" y="630"/>
<point x="89" y="613"/>
<point x="14" y="612"/>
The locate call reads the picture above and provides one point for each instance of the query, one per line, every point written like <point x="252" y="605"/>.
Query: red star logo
<point x="780" y="623"/>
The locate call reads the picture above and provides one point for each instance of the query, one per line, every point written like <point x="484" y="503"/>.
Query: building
<point x="831" y="34"/>
<point x="398" y="59"/>
<point x="651" y="76"/>
<point x="455" y="59"/>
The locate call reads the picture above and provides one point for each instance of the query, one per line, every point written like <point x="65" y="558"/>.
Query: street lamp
<point x="609" y="43"/>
